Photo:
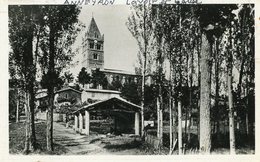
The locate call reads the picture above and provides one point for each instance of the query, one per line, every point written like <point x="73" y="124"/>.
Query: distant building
<point x="67" y="96"/>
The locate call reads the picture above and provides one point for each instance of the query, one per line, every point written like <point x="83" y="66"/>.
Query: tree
<point x="211" y="18"/>
<point x="139" y="24"/>
<point x="60" y="24"/>
<point x="230" y="93"/>
<point x="68" y="77"/>
<point x="160" y="57"/>
<point x="54" y="79"/>
<point x="245" y="56"/>
<point x="170" y="26"/>
<point x="22" y="29"/>
<point x="99" y="78"/>
<point x="115" y="85"/>
<point x="131" y="92"/>
<point x="205" y="127"/>
<point x="84" y="77"/>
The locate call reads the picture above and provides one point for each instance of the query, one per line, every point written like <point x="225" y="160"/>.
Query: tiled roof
<point x="118" y="71"/>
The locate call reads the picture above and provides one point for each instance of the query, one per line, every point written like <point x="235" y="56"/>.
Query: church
<point x="93" y="57"/>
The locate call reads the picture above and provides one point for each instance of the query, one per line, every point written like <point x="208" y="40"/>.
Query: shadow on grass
<point x="125" y="146"/>
<point x="95" y="140"/>
<point x="17" y="140"/>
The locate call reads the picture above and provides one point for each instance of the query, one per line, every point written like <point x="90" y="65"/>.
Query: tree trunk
<point x="170" y="105"/>
<point x="231" y="113"/>
<point x="49" y="135"/>
<point x="143" y="74"/>
<point x="27" y="125"/>
<point x="189" y="106"/>
<point x="247" y="102"/>
<point x="158" y="117"/>
<point x="50" y="125"/>
<point x="159" y="121"/>
<point x="217" y="85"/>
<point x="17" y="105"/>
<point x="30" y="141"/>
<point x="231" y="108"/>
<point x="198" y="102"/>
<point x="174" y="120"/>
<point x="161" y="127"/>
<point x="205" y="90"/>
<point x="179" y="128"/>
<point x="32" y="124"/>
<point x="190" y="94"/>
<point x="170" y="120"/>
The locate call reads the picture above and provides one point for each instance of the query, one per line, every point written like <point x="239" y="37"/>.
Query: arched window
<point x="98" y="46"/>
<point x="91" y="45"/>
<point x="95" y="56"/>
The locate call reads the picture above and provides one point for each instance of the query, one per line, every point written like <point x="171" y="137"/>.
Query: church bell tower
<point x="93" y="47"/>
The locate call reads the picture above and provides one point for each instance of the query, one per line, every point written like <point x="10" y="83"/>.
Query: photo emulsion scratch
<point x="136" y="79"/>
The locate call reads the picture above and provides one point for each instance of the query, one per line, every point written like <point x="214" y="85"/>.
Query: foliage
<point x="131" y="92"/>
<point x="115" y="85"/>
<point x="139" y="23"/>
<point x="52" y="78"/>
<point x="84" y="77"/>
<point x="68" y="77"/>
<point x="21" y="32"/>
<point x="99" y="78"/>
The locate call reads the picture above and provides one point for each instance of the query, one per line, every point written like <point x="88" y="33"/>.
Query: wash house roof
<point x="115" y="104"/>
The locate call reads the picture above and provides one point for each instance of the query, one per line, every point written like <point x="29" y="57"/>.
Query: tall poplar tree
<point x="22" y="31"/>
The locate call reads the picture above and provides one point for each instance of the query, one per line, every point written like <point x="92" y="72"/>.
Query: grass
<point x="125" y="145"/>
<point x="17" y="139"/>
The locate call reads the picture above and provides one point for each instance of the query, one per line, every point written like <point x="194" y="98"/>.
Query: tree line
<point x="204" y="55"/>
<point x="40" y="38"/>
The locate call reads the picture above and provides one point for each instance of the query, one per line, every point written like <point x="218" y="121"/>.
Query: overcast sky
<point x="120" y="48"/>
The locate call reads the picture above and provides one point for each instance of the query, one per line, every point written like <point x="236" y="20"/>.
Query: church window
<point x="91" y="45"/>
<point x="95" y="56"/>
<point x="96" y="35"/>
<point x="98" y="46"/>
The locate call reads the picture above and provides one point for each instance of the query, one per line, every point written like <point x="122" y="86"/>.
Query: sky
<point x="120" y="47"/>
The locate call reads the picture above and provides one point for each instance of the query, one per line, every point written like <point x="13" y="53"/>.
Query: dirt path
<point x="75" y="143"/>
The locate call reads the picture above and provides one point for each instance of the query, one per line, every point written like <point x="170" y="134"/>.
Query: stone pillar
<point x="137" y="123"/>
<point x="76" y="123"/>
<point x="87" y="119"/>
<point x="80" y="122"/>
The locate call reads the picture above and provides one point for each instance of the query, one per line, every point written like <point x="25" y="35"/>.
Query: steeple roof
<point x="93" y="31"/>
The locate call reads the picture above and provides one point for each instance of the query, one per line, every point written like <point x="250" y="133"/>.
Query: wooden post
<point x="87" y="122"/>
<point x="137" y="123"/>
<point x="80" y="122"/>
<point x="76" y="122"/>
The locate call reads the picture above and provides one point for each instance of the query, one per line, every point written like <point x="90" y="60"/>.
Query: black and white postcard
<point x="136" y="77"/>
